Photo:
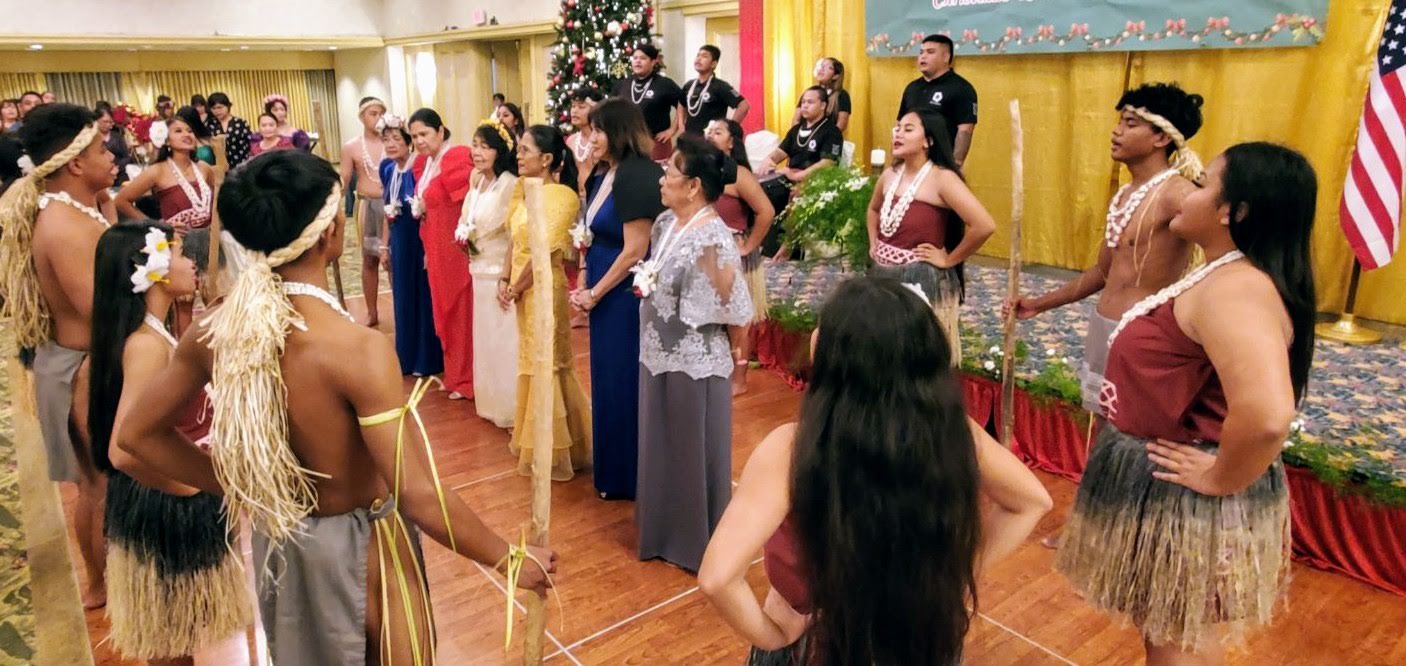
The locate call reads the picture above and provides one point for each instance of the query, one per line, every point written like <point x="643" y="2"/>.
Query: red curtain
<point x="1347" y="533"/>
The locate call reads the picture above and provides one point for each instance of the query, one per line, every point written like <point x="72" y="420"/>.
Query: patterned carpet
<point x="1353" y="437"/>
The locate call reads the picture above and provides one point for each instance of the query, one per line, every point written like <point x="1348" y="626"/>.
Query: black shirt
<point x="657" y="95"/>
<point x="950" y="94"/>
<point x="823" y="142"/>
<point x="636" y="189"/>
<point x="710" y="101"/>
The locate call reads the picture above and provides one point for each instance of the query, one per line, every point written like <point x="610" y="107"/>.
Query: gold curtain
<point x="247" y="89"/>
<point x="1308" y="98"/>
<point x="85" y="88"/>
<point x="12" y="85"/>
<point x="799" y="32"/>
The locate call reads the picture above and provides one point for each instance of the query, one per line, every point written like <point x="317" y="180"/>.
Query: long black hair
<point x="550" y="141"/>
<point x="520" y="125"/>
<point x="739" y="146"/>
<point x="117" y="314"/>
<point x="507" y="158"/>
<point x="1273" y="192"/>
<point x="940" y="154"/>
<point x="884" y="472"/>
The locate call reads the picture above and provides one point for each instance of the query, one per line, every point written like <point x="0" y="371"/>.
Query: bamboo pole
<point x="1013" y="276"/>
<point x="539" y="401"/>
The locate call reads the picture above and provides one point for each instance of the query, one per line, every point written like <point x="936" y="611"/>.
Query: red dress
<point x="178" y="210"/>
<point x="451" y="293"/>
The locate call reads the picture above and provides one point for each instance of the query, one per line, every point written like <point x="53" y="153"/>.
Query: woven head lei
<point x="24" y="305"/>
<point x="502" y="131"/>
<point x="1184" y="159"/>
<point x="253" y="461"/>
<point x="370" y="103"/>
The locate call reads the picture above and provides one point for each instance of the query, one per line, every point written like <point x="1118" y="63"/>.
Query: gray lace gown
<point x="685" y="451"/>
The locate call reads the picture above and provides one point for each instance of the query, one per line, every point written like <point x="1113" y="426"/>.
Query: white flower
<point x="994" y="350"/>
<point x="646" y="273"/>
<point x="989" y="365"/>
<point x="1064" y="360"/>
<point x="156" y="243"/>
<point x="827" y="197"/>
<point x="417" y="208"/>
<point x="392" y="210"/>
<point x="855" y="184"/>
<point x="1297" y="425"/>
<point x="158" y="133"/>
<point x="464" y="231"/>
<point x="155" y="269"/>
<point x="1049" y="352"/>
<point x="25" y="164"/>
<point x="581" y="235"/>
<point x="1288" y="443"/>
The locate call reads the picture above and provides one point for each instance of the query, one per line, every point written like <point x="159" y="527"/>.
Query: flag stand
<point x="1346" y="329"/>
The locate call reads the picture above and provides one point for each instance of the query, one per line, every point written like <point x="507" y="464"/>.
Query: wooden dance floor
<point x="617" y="610"/>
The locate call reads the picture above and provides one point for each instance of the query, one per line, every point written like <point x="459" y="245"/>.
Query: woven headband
<point x="502" y="131"/>
<point x="1184" y="160"/>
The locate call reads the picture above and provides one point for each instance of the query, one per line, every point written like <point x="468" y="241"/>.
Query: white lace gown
<point x="495" y="336"/>
<point x="685" y="449"/>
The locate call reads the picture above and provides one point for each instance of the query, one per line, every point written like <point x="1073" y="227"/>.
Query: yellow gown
<point x="571" y="410"/>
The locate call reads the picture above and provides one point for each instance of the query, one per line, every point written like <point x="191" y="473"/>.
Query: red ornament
<point x="570" y="3"/>
<point x="580" y="67"/>
<point x="624" y="25"/>
<point x="570" y="25"/>
<point x="556" y="80"/>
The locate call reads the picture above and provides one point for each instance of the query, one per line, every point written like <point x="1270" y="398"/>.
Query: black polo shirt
<point x="949" y="94"/>
<point x="711" y="100"/>
<point x="657" y="95"/>
<point x="823" y="143"/>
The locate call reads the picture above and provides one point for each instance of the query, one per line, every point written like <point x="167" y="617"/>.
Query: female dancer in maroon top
<point x="876" y="494"/>
<point x="924" y="221"/>
<point x="441" y="184"/>
<point x="746" y="209"/>
<point x="1182" y="521"/>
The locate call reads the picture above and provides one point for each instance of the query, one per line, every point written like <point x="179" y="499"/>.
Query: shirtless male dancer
<point x="1140" y="254"/>
<point x="52" y="224"/>
<point x="362" y="156"/>
<point x="321" y="453"/>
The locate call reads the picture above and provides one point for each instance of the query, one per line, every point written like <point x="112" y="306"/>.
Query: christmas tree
<point x="595" y="39"/>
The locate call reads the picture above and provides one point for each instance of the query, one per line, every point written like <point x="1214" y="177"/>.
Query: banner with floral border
<point x="996" y="27"/>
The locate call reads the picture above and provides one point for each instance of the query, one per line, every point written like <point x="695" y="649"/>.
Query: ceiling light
<point x="36" y="47"/>
<point x="244" y="48"/>
<point x="331" y="48"/>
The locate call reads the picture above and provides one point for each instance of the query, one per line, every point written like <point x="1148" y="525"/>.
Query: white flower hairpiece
<point x="390" y="121"/>
<point x="25" y="164"/>
<point x="157" y="264"/>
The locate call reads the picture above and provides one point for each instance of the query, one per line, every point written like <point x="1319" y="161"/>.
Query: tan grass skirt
<point x="1185" y="568"/>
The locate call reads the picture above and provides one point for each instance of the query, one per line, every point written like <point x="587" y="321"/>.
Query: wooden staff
<point x="1013" y="277"/>
<point x="336" y="265"/>
<point x="539" y="401"/>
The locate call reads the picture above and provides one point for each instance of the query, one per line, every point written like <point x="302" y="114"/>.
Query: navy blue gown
<point x="416" y="344"/>
<point x="615" y="327"/>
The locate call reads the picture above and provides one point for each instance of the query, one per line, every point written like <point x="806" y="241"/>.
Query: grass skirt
<point x="174" y="585"/>
<point x="1174" y="562"/>
<point x="943" y="289"/>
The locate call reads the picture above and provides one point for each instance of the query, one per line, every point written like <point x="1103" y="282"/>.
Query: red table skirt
<point x="1337" y="532"/>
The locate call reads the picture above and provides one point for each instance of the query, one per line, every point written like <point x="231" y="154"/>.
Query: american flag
<point x="1370" y="212"/>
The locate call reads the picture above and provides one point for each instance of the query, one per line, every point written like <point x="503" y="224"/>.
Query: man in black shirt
<point x="708" y="98"/>
<point x="945" y="91"/>
<point x="811" y="144"/>
<point x="657" y="97"/>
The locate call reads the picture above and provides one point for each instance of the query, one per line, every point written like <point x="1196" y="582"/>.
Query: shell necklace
<point x="63" y="197"/>
<point x="199" y="202"/>
<point x="694" y="108"/>
<point x="637" y="93"/>
<point x="314" y="291"/>
<point x="1119" y="216"/>
<point x="1174" y="290"/>
<point x="891" y="215"/>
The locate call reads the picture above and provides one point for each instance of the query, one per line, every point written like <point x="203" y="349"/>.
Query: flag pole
<point x="1346" y="329"/>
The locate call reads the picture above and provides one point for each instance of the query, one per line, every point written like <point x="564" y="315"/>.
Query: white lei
<point x="305" y="289"/>
<point x="580" y="146"/>
<point x="647" y="271"/>
<point x="695" y="107"/>
<point x="637" y="94"/>
<point x="468" y="222"/>
<point x="891" y="215"/>
<point x="1119" y="216"/>
<point x="1174" y="290"/>
<point x="200" y="203"/>
<point x="63" y="197"/>
<point x="417" y="204"/>
<point x="397" y="177"/>
<point x="366" y="158"/>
